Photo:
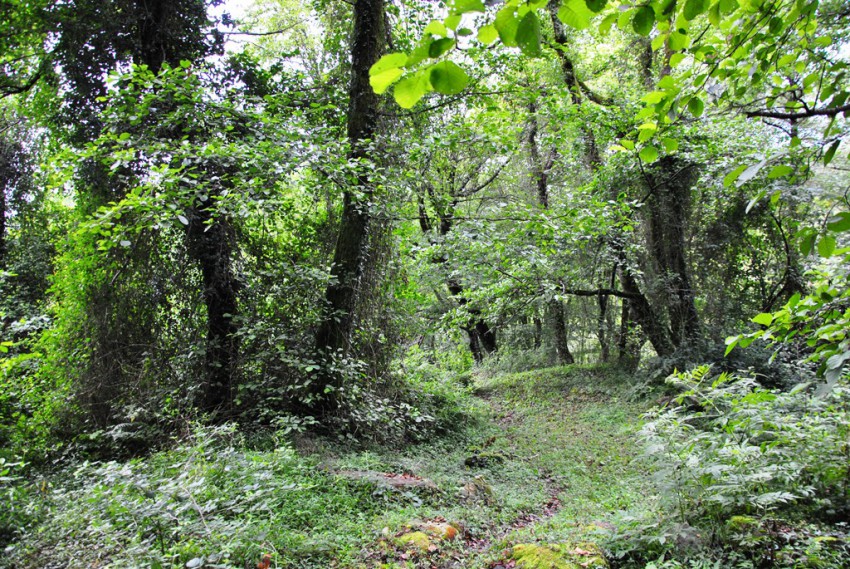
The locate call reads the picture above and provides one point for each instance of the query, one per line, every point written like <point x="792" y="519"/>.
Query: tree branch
<point x="831" y="112"/>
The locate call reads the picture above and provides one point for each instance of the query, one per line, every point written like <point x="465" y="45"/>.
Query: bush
<point x="739" y="468"/>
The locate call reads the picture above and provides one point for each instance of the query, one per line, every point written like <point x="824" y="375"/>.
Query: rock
<point x="441" y="530"/>
<point x="425" y="537"/>
<point x="484" y="459"/>
<point x="477" y="490"/>
<point x="558" y="556"/>
<point x="416" y="539"/>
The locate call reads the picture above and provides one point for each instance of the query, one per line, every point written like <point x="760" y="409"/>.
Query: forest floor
<point x="547" y="457"/>
<point x="551" y="462"/>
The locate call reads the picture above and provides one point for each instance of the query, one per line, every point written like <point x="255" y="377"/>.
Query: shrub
<point x="739" y="467"/>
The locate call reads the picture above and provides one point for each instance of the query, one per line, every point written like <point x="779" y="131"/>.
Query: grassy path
<point x="556" y="451"/>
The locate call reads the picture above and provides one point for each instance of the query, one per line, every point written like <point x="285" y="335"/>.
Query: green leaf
<point x="694" y="8"/>
<point x="596" y="5"/>
<point x="528" y="35"/>
<point x="575" y="14"/>
<point x="447" y="78"/>
<point x="488" y="34"/>
<point x="464" y="6"/>
<point x="453" y="21"/>
<point x="839" y="222"/>
<point x="643" y="20"/>
<point x="731" y="342"/>
<point x="627" y="143"/>
<point x="728" y="6"/>
<point x="646" y="132"/>
<point x="439" y="47"/>
<point x="506" y="24"/>
<point x="387" y="62"/>
<point x="714" y="15"/>
<point x="830" y="153"/>
<point x="607" y="22"/>
<point x="696" y="106"/>
<point x="382" y="81"/>
<point x="807" y="243"/>
<point x="826" y="246"/>
<point x="437" y="28"/>
<point x="418" y="55"/>
<point x="654" y="97"/>
<point x="733" y="175"/>
<point x="649" y="154"/>
<point x="765" y="319"/>
<point x="750" y="173"/>
<point x="678" y="41"/>
<point x="670" y="144"/>
<point x="779" y="171"/>
<point x="676" y="59"/>
<point x="409" y="90"/>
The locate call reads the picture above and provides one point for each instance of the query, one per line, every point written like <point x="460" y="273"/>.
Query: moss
<point x="418" y="539"/>
<point x="558" y="556"/>
<point x="742" y="523"/>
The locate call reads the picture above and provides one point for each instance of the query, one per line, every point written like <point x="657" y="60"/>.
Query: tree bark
<point x="668" y="205"/>
<point x="333" y="337"/>
<point x="210" y="243"/>
<point x="642" y="313"/>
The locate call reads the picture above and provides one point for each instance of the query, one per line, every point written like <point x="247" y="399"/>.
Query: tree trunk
<point x="482" y="338"/>
<point x="628" y="349"/>
<point x="562" y="347"/>
<point x="333" y="337"/>
<point x="210" y="243"/>
<point x="641" y="311"/>
<point x="668" y="205"/>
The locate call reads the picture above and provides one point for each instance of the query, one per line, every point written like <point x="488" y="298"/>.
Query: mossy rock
<point x="558" y="556"/>
<point x="484" y="460"/>
<point x="416" y="540"/>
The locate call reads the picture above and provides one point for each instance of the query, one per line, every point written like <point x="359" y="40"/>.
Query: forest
<point x="425" y="284"/>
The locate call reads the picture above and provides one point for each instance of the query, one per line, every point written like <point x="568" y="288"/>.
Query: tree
<point x="333" y="337"/>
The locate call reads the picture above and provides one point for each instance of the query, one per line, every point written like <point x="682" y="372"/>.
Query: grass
<point x="553" y="447"/>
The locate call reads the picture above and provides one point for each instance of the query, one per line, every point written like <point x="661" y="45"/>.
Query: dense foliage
<point x="335" y="219"/>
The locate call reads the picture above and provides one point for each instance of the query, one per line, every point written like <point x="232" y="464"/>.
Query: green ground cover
<point x="545" y="455"/>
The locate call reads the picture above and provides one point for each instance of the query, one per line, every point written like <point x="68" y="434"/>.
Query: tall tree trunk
<point x="668" y="206"/>
<point x="333" y="337"/>
<point x="210" y="238"/>
<point x="210" y="245"/>
<point x="482" y="338"/>
<point x="628" y="347"/>
<point x="3" y="183"/>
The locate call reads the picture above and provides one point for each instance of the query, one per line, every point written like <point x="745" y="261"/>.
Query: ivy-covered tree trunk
<point x="5" y="179"/>
<point x="94" y="37"/>
<point x="668" y="204"/>
<point x="210" y="244"/>
<point x="333" y="338"/>
<point x="482" y="338"/>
